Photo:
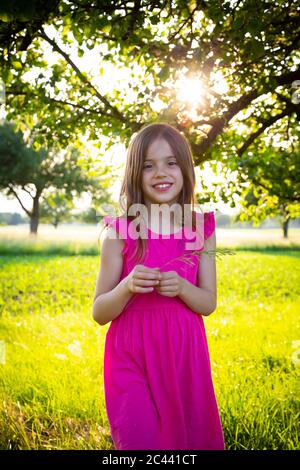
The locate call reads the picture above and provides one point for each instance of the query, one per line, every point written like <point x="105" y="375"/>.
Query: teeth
<point x="162" y="185"/>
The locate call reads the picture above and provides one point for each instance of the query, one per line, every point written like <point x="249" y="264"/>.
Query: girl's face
<point x="160" y="166"/>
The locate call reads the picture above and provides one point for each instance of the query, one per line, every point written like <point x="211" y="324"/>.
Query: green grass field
<point x="51" y="351"/>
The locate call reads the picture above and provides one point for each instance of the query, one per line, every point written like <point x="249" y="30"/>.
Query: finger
<point x="143" y="282"/>
<point x="167" y="282"/>
<point x="168" y="289"/>
<point x="146" y="275"/>
<point x="141" y="290"/>
<point x="167" y="294"/>
<point x="168" y="275"/>
<point x="153" y="270"/>
<point x="140" y="267"/>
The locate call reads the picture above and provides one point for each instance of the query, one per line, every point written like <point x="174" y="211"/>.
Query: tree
<point x="23" y="168"/>
<point x="11" y="218"/>
<point x="98" y="208"/>
<point x="56" y="208"/>
<point x="253" y="45"/>
<point x="273" y="185"/>
<point x="266" y="179"/>
<point x="246" y="54"/>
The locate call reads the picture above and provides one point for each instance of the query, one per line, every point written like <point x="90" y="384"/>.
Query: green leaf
<point x="106" y="29"/>
<point x="164" y="73"/>
<point x="17" y="64"/>
<point x="257" y="48"/>
<point x="5" y="17"/>
<point x="155" y="19"/>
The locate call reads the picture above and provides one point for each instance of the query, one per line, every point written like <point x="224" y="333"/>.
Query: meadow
<point x="51" y="351"/>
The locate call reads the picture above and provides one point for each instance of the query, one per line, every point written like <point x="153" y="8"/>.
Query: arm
<point x="111" y="296"/>
<point x="203" y="300"/>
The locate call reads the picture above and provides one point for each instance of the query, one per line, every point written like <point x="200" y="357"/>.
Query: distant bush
<point x="12" y="218"/>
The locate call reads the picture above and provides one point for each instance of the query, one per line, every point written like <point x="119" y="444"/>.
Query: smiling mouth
<point x="162" y="186"/>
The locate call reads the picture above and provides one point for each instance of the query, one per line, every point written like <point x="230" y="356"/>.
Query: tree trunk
<point x="34" y="222"/>
<point x="285" y="220"/>
<point x="34" y="217"/>
<point x="285" y="227"/>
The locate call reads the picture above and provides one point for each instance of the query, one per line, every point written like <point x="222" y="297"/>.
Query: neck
<point x="163" y="221"/>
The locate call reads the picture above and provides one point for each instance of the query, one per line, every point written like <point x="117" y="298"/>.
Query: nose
<point x="160" y="171"/>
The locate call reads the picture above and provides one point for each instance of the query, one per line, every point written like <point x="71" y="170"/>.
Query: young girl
<point x="158" y="386"/>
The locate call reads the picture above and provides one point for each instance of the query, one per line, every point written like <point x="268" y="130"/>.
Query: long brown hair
<point x="131" y="189"/>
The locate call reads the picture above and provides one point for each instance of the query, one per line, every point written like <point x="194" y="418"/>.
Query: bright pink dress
<point x="158" y="386"/>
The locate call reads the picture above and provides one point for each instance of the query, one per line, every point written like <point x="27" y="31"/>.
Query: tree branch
<point x="10" y="91"/>
<point x="135" y="14"/>
<point x="265" y="124"/>
<point x="24" y="208"/>
<point x="234" y="108"/>
<point x="287" y="78"/>
<point x="270" y="191"/>
<point x="259" y="183"/>
<point x="82" y="77"/>
<point x="191" y="15"/>
<point x="27" y="191"/>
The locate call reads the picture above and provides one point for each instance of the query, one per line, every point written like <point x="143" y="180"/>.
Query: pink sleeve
<point x="119" y="224"/>
<point x="209" y="224"/>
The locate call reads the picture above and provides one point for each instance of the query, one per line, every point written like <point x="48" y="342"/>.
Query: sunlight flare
<point x="219" y="83"/>
<point x="190" y="90"/>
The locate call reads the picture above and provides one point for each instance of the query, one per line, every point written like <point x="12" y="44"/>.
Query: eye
<point x="147" y="166"/>
<point x="172" y="163"/>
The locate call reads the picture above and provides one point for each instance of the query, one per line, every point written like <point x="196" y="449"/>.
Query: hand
<point x="142" y="279"/>
<point x="171" y="284"/>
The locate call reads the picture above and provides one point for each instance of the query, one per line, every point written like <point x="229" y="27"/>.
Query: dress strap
<point x="205" y="225"/>
<point x="209" y="224"/>
<point x="120" y="225"/>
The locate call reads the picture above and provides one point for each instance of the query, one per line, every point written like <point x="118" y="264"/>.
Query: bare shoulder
<point x="210" y="243"/>
<point x="111" y="261"/>
<point x="110" y="239"/>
